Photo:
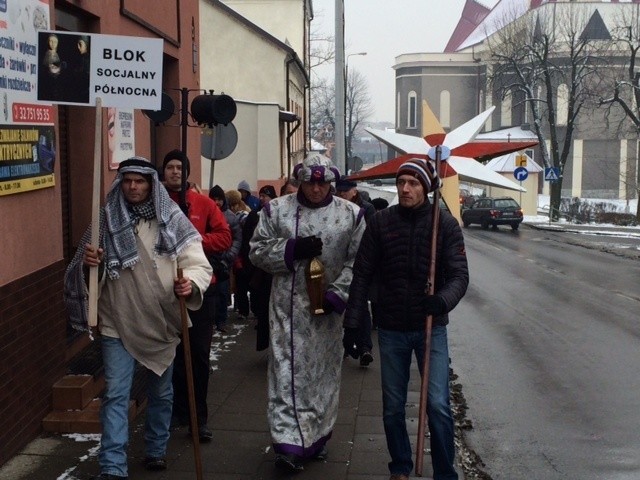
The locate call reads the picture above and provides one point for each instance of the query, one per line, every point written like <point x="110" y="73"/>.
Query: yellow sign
<point x="521" y="160"/>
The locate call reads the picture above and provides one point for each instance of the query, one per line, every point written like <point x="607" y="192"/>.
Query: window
<point x="412" y="110"/>
<point x="505" y="110"/>
<point x="445" y="109"/>
<point x="562" y="104"/>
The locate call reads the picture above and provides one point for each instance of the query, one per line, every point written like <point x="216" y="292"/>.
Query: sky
<point x="385" y="29"/>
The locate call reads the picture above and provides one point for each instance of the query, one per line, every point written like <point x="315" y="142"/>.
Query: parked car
<point x="466" y="198"/>
<point x="493" y="211"/>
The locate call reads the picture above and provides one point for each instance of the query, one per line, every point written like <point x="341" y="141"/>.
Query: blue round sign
<point x="521" y="173"/>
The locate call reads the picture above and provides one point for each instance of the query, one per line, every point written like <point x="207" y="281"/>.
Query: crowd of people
<point x="309" y="264"/>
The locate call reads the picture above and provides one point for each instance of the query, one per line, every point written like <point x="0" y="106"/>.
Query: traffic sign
<point x="521" y="173"/>
<point x="521" y="160"/>
<point x="552" y="174"/>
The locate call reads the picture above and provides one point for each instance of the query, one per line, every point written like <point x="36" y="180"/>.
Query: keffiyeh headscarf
<point x="175" y="231"/>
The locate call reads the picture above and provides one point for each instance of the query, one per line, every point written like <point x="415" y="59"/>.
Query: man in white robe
<point x="306" y="349"/>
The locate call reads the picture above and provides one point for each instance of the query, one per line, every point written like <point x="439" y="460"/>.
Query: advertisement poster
<point x="121" y="135"/>
<point x="77" y="68"/>
<point x="27" y="158"/>
<point x="27" y="151"/>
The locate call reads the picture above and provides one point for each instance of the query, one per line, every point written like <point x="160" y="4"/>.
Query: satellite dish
<point x="218" y="142"/>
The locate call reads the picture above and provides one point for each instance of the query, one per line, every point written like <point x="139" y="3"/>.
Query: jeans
<point x="119" y="367"/>
<point x="396" y="349"/>
<point x="222" y="289"/>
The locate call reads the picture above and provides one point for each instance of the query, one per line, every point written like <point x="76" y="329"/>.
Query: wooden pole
<point x="424" y="384"/>
<point x="95" y="213"/>
<point x="190" y="390"/>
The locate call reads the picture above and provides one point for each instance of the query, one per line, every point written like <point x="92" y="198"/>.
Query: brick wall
<point x="32" y="354"/>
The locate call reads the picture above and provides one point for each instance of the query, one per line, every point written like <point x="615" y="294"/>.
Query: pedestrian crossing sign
<point x="552" y="174"/>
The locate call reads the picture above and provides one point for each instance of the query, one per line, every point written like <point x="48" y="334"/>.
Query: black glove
<point x="434" y="305"/>
<point x="327" y="306"/>
<point x="351" y="342"/>
<point x="307" y="247"/>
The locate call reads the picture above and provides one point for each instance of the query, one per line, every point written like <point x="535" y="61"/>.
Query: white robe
<point x="306" y="351"/>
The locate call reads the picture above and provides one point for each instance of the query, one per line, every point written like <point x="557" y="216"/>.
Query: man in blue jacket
<point x="396" y="249"/>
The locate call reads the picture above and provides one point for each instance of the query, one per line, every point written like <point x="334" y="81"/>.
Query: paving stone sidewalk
<point x="241" y="446"/>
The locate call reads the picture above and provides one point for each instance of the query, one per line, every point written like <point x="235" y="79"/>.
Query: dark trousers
<point x="200" y="336"/>
<point x="243" y="278"/>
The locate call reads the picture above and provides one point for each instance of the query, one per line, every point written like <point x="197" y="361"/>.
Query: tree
<point x="548" y="65"/>
<point x="358" y="106"/>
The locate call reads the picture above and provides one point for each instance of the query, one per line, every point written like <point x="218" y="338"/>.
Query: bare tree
<point x="358" y="106"/>
<point x="625" y="80"/>
<point x="548" y="66"/>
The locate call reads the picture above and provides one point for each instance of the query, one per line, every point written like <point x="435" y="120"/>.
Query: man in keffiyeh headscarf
<point x="144" y="237"/>
<point x="306" y="353"/>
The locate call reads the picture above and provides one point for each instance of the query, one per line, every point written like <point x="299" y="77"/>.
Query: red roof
<point x="472" y="14"/>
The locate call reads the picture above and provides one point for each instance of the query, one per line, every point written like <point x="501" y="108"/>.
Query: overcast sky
<point x="385" y="29"/>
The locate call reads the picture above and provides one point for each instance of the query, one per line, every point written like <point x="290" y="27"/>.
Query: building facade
<point x="603" y="157"/>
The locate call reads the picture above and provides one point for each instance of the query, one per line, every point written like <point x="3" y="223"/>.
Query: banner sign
<point x="77" y="68"/>
<point x="121" y="135"/>
<point x="27" y="158"/>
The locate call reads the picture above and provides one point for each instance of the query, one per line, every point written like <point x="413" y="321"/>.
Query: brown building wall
<point x="41" y="228"/>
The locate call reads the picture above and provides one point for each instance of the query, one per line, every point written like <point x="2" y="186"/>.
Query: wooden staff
<point x="95" y="214"/>
<point x="424" y="384"/>
<point x="190" y="390"/>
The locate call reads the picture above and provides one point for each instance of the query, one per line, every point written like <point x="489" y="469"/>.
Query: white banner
<point x="77" y="68"/>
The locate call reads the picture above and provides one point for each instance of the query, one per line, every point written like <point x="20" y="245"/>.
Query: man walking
<point x="209" y="221"/>
<point x="396" y="246"/>
<point x="305" y="358"/>
<point x="144" y="237"/>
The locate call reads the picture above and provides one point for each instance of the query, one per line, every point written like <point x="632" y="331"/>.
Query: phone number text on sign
<point x="24" y="112"/>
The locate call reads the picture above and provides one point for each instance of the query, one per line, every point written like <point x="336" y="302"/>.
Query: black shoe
<point x="221" y="329"/>
<point x="289" y="462"/>
<point x="155" y="463"/>
<point x="365" y="359"/>
<point x="204" y="434"/>
<point x="323" y="454"/>
<point x="107" y="476"/>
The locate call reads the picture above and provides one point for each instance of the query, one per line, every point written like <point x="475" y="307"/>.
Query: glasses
<point x="411" y="182"/>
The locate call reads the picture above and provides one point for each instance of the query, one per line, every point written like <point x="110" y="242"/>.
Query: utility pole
<point x="339" y="128"/>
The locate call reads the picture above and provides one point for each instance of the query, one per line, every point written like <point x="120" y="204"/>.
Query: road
<point x="546" y="344"/>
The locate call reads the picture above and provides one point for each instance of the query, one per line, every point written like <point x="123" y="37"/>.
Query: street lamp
<point x="347" y="133"/>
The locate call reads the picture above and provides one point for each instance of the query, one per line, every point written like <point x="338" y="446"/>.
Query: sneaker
<point x="399" y="476"/>
<point x="108" y="476"/>
<point x="365" y="359"/>
<point x="155" y="463"/>
<point x="289" y="462"/>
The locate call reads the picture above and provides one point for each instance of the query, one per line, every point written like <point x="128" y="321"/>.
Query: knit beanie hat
<point x="177" y="155"/>
<point x="269" y="191"/>
<point x="217" y="193"/>
<point x="244" y="185"/>
<point x="424" y="171"/>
